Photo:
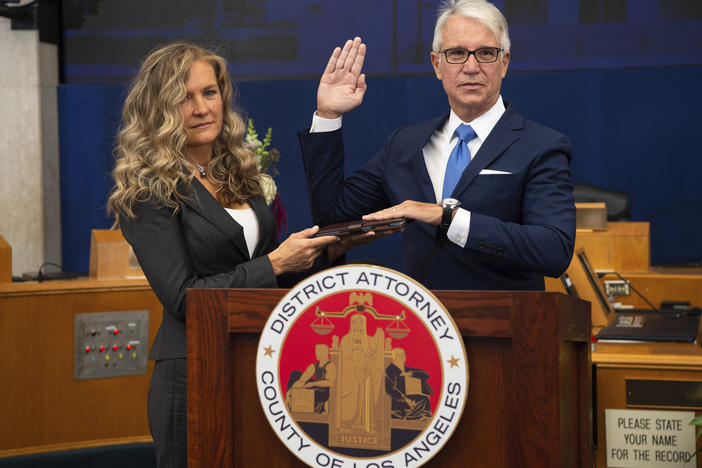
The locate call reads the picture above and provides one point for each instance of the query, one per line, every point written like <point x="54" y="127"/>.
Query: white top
<point x="436" y="153"/>
<point x="247" y="219"/>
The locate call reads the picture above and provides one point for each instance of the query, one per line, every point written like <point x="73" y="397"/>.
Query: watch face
<point x="450" y="202"/>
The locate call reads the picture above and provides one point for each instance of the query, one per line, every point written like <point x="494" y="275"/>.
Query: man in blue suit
<point x="490" y="191"/>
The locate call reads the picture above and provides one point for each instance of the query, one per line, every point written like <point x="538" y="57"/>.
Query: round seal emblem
<point x="362" y="367"/>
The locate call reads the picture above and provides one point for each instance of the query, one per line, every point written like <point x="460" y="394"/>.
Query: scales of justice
<point x="359" y="386"/>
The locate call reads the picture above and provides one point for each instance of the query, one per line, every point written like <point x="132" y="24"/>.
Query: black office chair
<point x="618" y="203"/>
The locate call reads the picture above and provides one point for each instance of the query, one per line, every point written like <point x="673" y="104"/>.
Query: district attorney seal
<point x="361" y="367"/>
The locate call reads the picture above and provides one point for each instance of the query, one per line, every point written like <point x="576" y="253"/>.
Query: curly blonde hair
<point x="150" y="161"/>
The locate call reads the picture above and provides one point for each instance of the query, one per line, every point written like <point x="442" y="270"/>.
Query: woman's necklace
<point x="203" y="172"/>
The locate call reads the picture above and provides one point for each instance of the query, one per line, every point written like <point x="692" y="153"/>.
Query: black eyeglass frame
<point x="472" y="52"/>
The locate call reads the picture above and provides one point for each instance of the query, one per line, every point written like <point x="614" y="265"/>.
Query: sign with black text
<point x="656" y="439"/>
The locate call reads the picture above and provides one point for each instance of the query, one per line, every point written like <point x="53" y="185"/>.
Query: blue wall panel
<point x="654" y="152"/>
<point x="105" y="39"/>
<point x="88" y="118"/>
<point x="632" y="130"/>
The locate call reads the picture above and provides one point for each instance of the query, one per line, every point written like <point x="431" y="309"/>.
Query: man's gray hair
<point x="479" y="10"/>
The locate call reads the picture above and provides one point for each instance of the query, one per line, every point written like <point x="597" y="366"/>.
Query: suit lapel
<point x="502" y="136"/>
<point x="420" y="167"/>
<point x="210" y="209"/>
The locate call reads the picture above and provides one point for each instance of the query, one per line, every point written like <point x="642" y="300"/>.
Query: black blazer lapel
<point x="505" y="133"/>
<point x="209" y="208"/>
<point x="266" y="225"/>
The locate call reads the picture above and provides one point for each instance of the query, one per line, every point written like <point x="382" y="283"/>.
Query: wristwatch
<point x="449" y="205"/>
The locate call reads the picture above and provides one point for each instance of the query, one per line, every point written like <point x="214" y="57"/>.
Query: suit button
<point x="481" y="245"/>
<point x="500" y="251"/>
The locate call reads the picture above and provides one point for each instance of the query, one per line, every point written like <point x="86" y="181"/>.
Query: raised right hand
<point x="342" y="86"/>
<point x="299" y="251"/>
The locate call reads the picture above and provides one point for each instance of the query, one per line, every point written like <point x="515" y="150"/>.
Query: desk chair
<point x="618" y="203"/>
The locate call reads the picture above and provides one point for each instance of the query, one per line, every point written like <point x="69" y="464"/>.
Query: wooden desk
<point x="615" y="363"/>
<point x="43" y="408"/>
<point x="624" y="246"/>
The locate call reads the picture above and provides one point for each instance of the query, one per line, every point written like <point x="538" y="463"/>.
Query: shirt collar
<point x="482" y="125"/>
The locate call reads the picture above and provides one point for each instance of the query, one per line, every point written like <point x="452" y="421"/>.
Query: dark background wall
<point x="619" y="78"/>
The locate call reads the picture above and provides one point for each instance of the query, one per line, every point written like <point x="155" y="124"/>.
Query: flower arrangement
<point x="267" y="158"/>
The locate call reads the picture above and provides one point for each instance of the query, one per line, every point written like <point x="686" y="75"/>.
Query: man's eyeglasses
<point x="459" y="55"/>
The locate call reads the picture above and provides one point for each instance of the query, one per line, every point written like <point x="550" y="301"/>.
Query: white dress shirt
<point x="436" y="153"/>
<point x="249" y="222"/>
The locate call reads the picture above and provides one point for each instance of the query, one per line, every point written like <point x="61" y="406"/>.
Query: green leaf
<point x="689" y="458"/>
<point x="266" y="157"/>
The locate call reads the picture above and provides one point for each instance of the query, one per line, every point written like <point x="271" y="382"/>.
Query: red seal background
<point x="420" y="347"/>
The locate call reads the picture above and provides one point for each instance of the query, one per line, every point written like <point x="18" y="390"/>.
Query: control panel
<point x="110" y="344"/>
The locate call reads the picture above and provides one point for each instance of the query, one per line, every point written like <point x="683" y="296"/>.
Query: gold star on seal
<point x="268" y="351"/>
<point x="453" y="361"/>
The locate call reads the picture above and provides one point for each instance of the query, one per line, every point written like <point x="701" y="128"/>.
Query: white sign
<point x="656" y="439"/>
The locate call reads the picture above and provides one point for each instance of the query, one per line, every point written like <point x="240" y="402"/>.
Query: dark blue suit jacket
<point x="522" y="224"/>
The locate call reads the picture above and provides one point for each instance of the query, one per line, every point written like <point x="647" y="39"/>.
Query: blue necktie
<point x="458" y="160"/>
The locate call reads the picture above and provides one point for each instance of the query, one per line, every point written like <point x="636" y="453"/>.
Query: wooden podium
<point x="529" y="395"/>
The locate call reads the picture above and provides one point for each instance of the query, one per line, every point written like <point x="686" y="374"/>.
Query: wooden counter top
<point x="648" y="355"/>
<point x="71" y="286"/>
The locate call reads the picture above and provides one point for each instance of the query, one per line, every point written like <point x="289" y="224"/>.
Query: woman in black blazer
<point x="189" y="199"/>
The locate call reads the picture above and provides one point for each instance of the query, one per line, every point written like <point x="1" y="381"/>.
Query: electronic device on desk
<point x="674" y="321"/>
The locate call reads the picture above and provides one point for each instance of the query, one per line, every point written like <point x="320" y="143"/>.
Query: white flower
<point x="269" y="188"/>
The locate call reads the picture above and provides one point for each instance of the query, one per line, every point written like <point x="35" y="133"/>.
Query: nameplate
<point x="591" y="216"/>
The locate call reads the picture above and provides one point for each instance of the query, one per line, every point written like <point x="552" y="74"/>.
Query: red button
<point x="115" y="348"/>
<point x="102" y="348"/>
<point x="88" y="349"/>
<point x="129" y="347"/>
<point x="116" y="332"/>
